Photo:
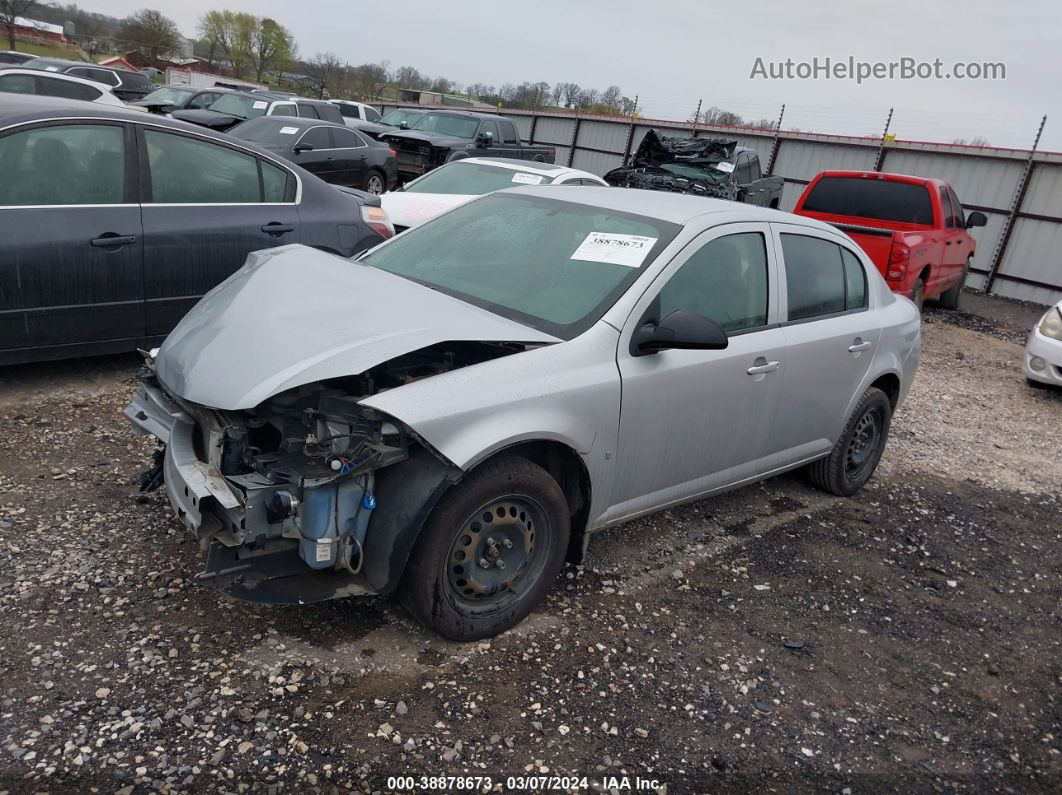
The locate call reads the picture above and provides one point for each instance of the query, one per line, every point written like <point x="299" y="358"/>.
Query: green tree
<point x="271" y="46"/>
<point x="151" y="33"/>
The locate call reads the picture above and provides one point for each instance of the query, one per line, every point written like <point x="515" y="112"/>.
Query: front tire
<point x="856" y="455"/>
<point x="918" y="294"/>
<point x="951" y="298"/>
<point x="489" y="552"/>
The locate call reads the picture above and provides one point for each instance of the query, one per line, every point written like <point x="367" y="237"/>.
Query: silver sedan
<point x="452" y="415"/>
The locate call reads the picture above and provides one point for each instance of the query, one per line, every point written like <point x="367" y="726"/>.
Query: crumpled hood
<point x="207" y="118"/>
<point x="294" y="315"/>
<point x="433" y="138"/>
<point x="413" y="209"/>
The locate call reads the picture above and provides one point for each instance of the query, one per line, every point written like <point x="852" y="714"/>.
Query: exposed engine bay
<point x="699" y="156"/>
<point x="292" y="482"/>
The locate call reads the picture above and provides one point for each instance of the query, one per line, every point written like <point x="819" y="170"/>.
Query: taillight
<point x="898" y="260"/>
<point x="378" y="221"/>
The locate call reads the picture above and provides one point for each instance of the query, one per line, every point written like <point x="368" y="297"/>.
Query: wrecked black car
<point x="713" y="167"/>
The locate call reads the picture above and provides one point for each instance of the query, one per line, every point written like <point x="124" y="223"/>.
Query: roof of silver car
<point x="679" y="208"/>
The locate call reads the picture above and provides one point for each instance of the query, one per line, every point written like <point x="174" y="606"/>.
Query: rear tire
<point x="508" y="513"/>
<point x="375" y="182"/>
<point x="951" y="298"/>
<point x="859" y="449"/>
<point x="918" y="294"/>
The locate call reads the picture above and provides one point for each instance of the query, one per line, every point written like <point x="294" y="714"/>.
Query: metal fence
<point x="1019" y="251"/>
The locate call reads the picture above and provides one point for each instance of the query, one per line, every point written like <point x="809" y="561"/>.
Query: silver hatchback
<point x="450" y="416"/>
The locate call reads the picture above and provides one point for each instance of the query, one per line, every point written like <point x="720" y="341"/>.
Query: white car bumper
<point x="1046" y="353"/>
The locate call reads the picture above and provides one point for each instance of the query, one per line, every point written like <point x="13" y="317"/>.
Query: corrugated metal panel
<point x="977" y="180"/>
<point x="554" y="131"/>
<point x="790" y="193"/>
<point x="1034" y="252"/>
<point x="561" y="158"/>
<point x="523" y="126"/>
<point x="987" y="238"/>
<point x="595" y="162"/>
<point x="804" y="159"/>
<point x="1044" y="194"/>
<point x="608" y="135"/>
<point x="1025" y="292"/>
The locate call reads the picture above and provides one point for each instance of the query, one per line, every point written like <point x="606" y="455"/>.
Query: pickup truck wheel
<point x="857" y="453"/>
<point x="918" y="294"/>
<point x="539" y="158"/>
<point x="489" y="552"/>
<point x="950" y="299"/>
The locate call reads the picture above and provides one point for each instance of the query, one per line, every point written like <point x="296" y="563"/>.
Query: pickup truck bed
<point x="913" y="228"/>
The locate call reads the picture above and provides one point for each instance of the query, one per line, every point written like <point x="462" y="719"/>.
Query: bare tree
<point x="369" y="79"/>
<point x="408" y="77"/>
<point x="586" y="98"/>
<point x="10" y="10"/>
<point x="719" y="117"/>
<point x="325" y="72"/>
<point x="611" y="98"/>
<point x="151" y="34"/>
<point x="569" y="94"/>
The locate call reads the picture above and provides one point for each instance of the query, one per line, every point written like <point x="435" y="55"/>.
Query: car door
<point x="509" y="142"/>
<point x="71" y="251"/>
<point x="493" y="149"/>
<point x="956" y="249"/>
<point x="320" y="160"/>
<point x="694" y="420"/>
<point x="756" y="192"/>
<point x="830" y="336"/>
<point x="206" y="206"/>
<point x="350" y="151"/>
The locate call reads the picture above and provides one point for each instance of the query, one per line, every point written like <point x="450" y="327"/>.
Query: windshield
<point x="474" y="179"/>
<point x="879" y="199"/>
<point x="240" y="105"/>
<point x="169" y="96"/>
<point x="266" y="130"/>
<point x="396" y="117"/>
<point x="706" y="172"/>
<point x="553" y="265"/>
<point x="457" y="126"/>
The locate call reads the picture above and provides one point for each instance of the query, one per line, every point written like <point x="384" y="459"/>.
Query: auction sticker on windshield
<point x="629" y="250"/>
<point x="724" y="167"/>
<point x="288" y="130"/>
<point x="259" y="105"/>
<point x="521" y="178"/>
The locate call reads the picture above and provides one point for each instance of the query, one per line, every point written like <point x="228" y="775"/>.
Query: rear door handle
<point x="858" y="345"/>
<point x="110" y="239"/>
<point x="764" y="367"/>
<point x="276" y="228"/>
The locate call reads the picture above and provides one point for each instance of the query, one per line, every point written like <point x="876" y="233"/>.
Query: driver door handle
<point x="858" y="345"/>
<point x="765" y="367"/>
<point x="110" y="239"/>
<point x="276" y="228"/>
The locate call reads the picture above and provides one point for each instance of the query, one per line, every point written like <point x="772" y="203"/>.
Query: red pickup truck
<point x="913" y="228"/>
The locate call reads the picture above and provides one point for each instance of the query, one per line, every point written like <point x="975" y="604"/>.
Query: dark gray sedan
<point x="116" y="222"/>
<point x="333" y="152"/>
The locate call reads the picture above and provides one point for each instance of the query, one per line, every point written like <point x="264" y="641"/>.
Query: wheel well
<point x="567" y="468"/>
<point x="890" y="385"/>
<point x="774" y="204"/>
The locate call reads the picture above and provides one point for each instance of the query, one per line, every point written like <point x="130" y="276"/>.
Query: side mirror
<point x="303" y="147"/>
<point x="485" y="138"/>
<point x="681" y="329"/>
<point x="976" y="218"/>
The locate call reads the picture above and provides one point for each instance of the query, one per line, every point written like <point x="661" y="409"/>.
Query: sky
<point x="672" y="53"/>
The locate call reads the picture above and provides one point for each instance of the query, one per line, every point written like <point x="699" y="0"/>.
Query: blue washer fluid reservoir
<point x="324" y="513"/>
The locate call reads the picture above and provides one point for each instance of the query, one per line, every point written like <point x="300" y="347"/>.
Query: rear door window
<point x="68" y="89"/>
<point x="814" y="275"/>
<point x="186" y="170"/>
<point x="284" y="109"/>
<point x="307" y="111"/>
<point x="64" y="165"/>
<point x="17" y="84"/>
<point x="878" y="199"/>
<point x="344" y="139"/>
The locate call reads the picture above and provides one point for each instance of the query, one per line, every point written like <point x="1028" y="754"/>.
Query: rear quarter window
<point x="876" y="199"/>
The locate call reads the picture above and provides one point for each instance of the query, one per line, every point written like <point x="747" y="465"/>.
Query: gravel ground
<point x="906" y="639"/>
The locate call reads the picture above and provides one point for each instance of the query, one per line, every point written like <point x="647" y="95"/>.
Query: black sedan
<point x="116" y="222"/>
<point x="333" y="152"/>
<point x="170" y="98"/>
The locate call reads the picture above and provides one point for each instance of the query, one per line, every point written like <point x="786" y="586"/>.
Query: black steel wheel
<point x="857" y="452"/>
<point x="489" y="552"/>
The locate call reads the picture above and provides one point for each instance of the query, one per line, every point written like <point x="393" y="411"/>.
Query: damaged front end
<point x="280" y="497"/>
<point x="697" y="161"/>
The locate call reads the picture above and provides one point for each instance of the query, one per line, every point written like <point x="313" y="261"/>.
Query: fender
<point x="406" y="494"/>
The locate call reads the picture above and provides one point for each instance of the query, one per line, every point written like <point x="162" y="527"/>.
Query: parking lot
<point x="775" y="637"/>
